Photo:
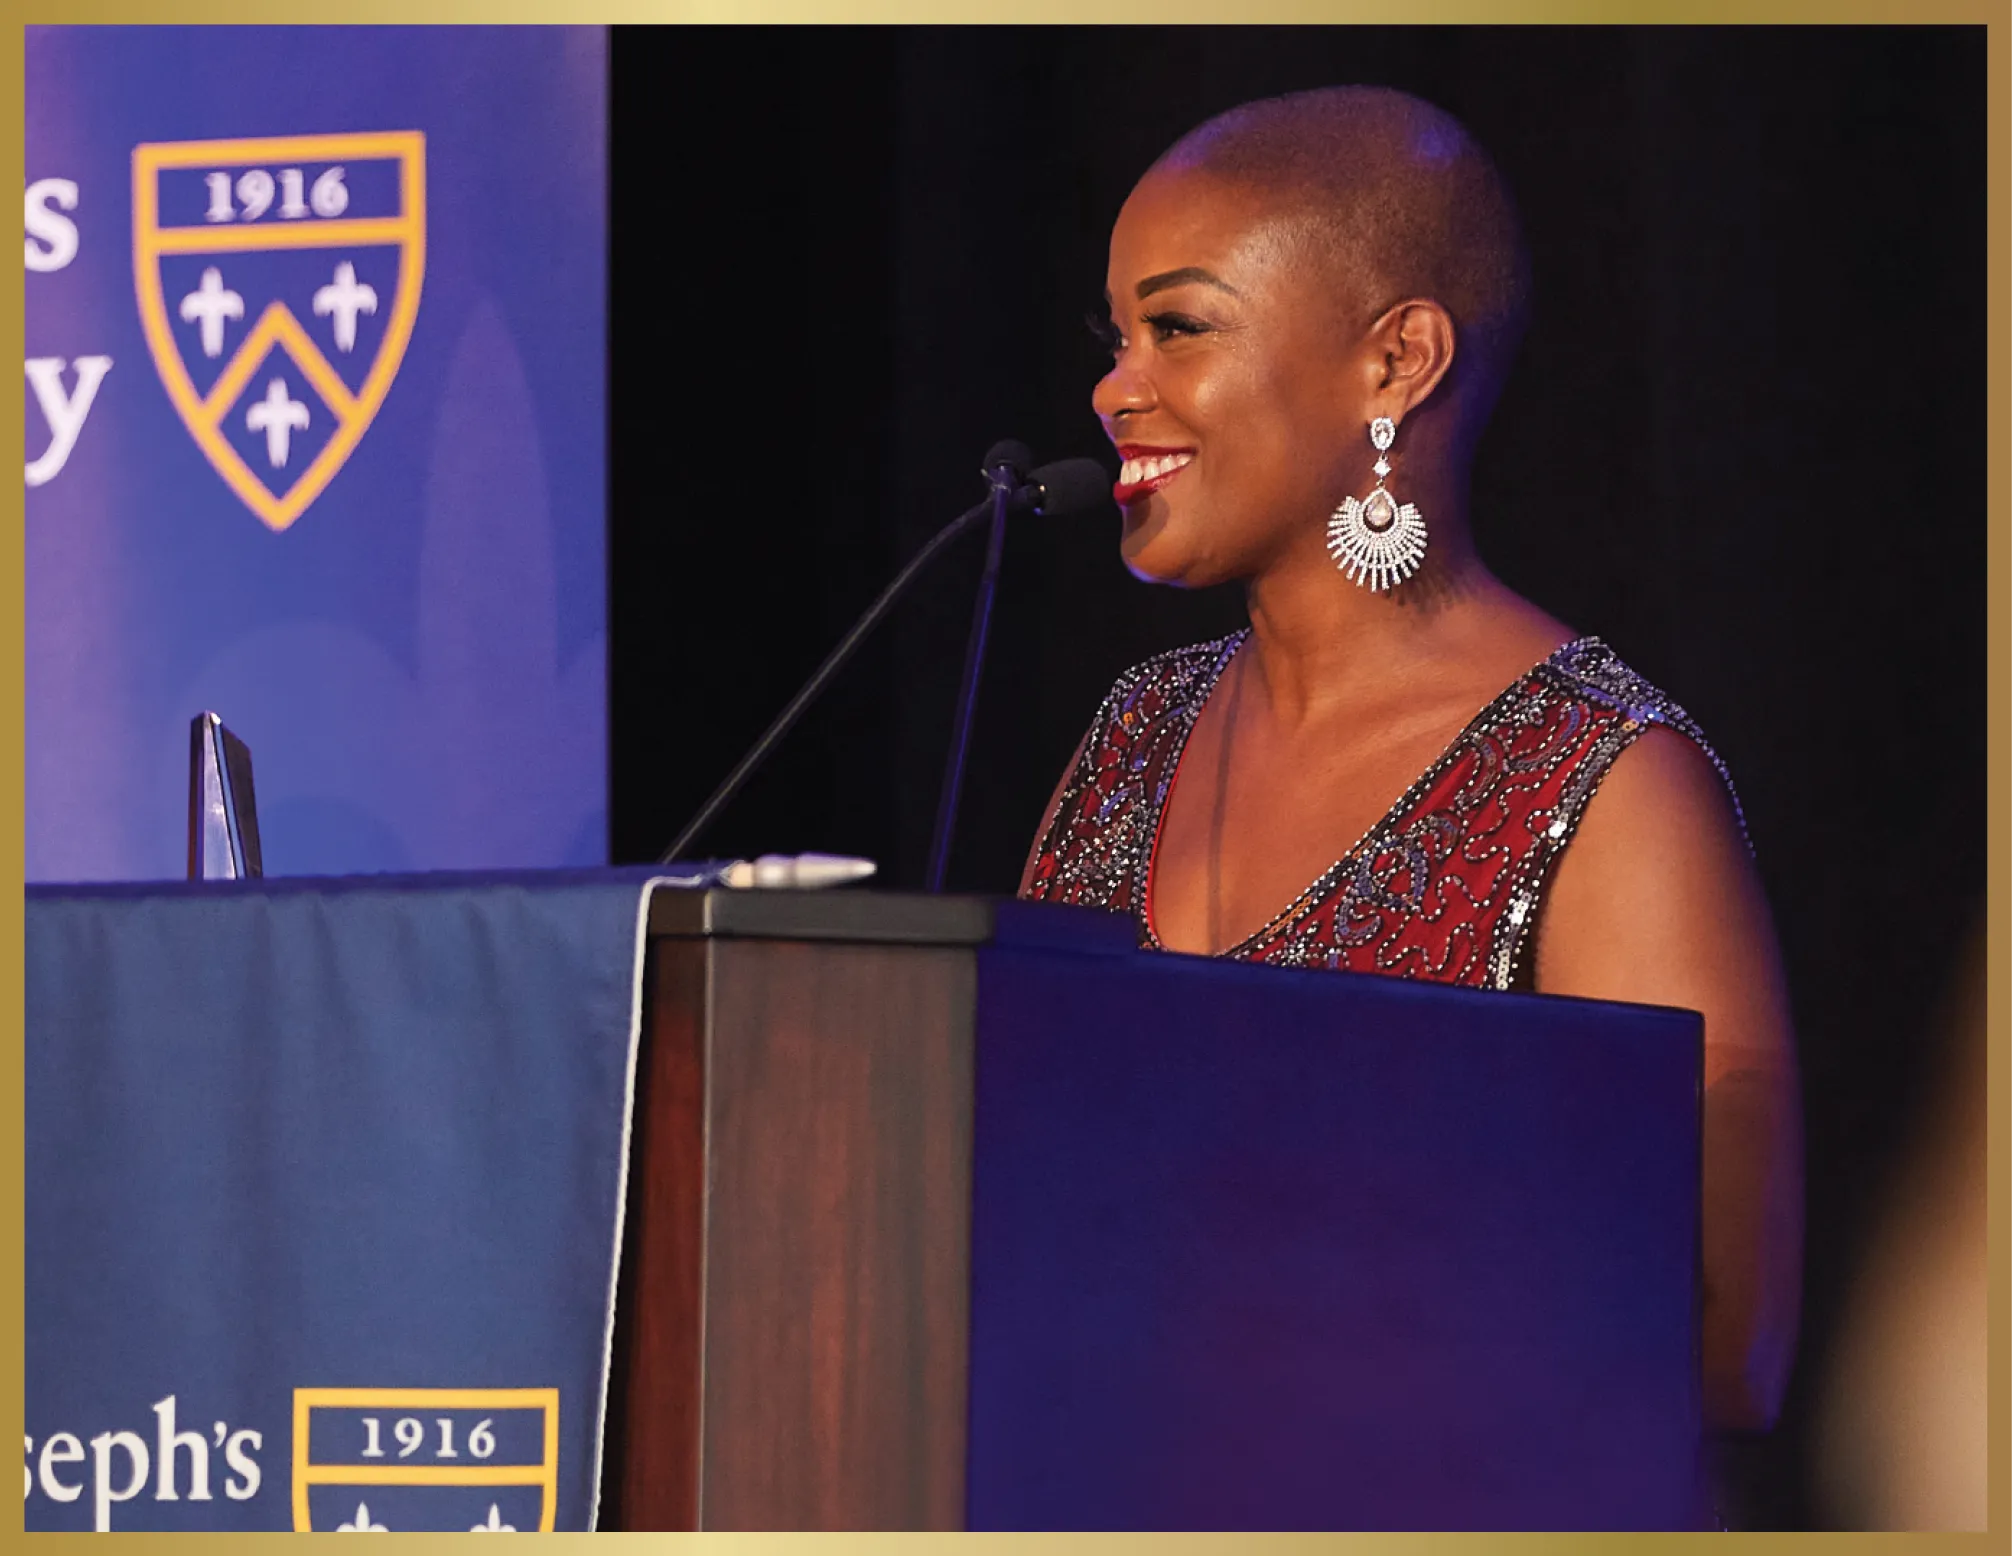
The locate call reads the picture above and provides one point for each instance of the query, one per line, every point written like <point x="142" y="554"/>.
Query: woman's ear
<point x="1414" y="345"/>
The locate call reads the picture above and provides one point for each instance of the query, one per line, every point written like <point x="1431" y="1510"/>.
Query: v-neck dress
<point x="1446" y="886"/>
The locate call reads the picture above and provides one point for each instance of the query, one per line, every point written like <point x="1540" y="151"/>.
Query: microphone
<point x="1006" y="464"/>
<point x="1069" y="486"/>
<point x="1066" y="486"/>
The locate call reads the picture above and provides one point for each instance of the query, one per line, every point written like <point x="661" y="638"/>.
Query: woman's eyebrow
<point x="1184" y="276"/>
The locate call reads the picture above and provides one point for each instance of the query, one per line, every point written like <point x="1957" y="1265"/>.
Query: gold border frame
<point x="1993" y="16"/>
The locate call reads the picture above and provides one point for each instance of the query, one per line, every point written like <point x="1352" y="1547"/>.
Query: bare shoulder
<point x="1664" y="801"/>
<point x="1656" y="900"/>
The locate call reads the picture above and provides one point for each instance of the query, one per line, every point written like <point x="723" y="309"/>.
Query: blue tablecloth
<point x="324" y="1187"/>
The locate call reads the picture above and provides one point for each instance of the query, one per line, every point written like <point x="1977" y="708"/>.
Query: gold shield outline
<point x="203" y="414"/>
<point x="544" y="1475"/>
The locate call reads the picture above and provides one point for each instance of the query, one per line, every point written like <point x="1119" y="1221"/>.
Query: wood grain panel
<point x="863" y="917"/>
<point x="653" y="1406"/>
<point x="838" y="1236"/>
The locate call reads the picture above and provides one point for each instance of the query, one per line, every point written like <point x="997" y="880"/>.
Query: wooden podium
<point x="950" y="1213"/>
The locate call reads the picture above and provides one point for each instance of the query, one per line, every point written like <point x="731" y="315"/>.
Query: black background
<point x="1745" y="443"/>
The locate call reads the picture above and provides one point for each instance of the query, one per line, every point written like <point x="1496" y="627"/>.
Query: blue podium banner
<point x="316" y="432"/>
<point x="324" y="1187"/>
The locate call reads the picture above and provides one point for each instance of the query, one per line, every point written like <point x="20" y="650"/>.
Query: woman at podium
<point x="1401" y="767"/>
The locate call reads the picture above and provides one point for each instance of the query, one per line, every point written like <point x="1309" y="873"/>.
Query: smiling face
<point x="1241" y="386"/>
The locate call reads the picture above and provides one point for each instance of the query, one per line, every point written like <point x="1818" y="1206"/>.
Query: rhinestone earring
<point x="1375" y="541"/>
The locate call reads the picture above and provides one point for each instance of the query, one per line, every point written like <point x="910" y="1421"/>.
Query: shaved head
<point x="1398" y="200"/>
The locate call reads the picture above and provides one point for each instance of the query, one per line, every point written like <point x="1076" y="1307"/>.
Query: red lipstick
<point x="1147" y="469"/>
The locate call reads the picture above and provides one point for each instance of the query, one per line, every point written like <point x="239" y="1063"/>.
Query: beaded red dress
<point x="1446" y="886"/>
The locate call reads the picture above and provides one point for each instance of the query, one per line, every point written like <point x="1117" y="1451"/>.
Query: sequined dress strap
<point x="1098" y="843"/>
<point x="1446" y="886"/>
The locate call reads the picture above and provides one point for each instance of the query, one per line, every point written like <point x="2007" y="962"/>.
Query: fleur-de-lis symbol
<point x="361" y="1524"/>
<point x="495" y="1524"/>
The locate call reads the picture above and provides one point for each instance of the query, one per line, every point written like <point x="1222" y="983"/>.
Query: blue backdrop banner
<point x="324" y="1189"/>
<point x="315" y="438"/>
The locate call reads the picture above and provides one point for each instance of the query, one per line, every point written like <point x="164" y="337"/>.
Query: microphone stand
<point x="967" y="693"/>
<point x="997" y="504"/>
<point x="1066" y="486"/>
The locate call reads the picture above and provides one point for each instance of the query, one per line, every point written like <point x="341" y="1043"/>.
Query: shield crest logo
<point x="278" y="280"/>
<point x="378" y="1461"/>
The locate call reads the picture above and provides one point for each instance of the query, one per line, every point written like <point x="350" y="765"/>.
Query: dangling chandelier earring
<point x="1375" y="541"/>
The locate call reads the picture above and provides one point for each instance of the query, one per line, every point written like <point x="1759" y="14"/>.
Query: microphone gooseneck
<point x="1067" y="486"/>
<point x="1005" y="468"/>
<point x="1052" y="489"/>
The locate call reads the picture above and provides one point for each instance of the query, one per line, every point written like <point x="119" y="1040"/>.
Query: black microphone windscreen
<point x="1071" y="486"/>
<point x="1010" y="452"/>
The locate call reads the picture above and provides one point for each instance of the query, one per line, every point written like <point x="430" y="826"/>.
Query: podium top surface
<point x="884" y="918"/>
<point x="846" y="914"/>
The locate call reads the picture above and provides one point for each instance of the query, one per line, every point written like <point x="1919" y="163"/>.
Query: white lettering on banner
<point x="51" y="244"/>
<point x="63" y="410"/>
<point x="102" y="1494"/>
<point x="410" y="1434"/>
<point x="56" y="233"/>
<point x="61" y="1448"/>
<point x="450" y="1439"/>
<point x="166" y="1446"/>
<point x="121" y="1462"/>
<point x="329" y="198"/>
<point x="238" y="1451"/>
